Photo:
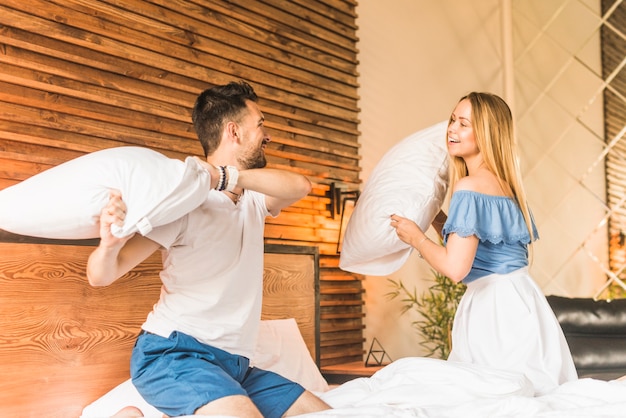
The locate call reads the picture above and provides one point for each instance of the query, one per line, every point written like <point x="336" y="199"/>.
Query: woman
<point x="503" y="320"/>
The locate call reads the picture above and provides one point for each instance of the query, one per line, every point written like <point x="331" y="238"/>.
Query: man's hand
<point x="113" y="213"/>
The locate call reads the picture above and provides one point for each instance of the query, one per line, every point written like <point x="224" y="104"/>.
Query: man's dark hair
<point x="215" y="107"/>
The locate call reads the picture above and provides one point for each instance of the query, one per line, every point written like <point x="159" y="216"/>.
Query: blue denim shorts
<point x="179" y="374"/>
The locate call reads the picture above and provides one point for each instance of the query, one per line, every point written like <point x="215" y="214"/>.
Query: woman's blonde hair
<point x="492" y="122"/>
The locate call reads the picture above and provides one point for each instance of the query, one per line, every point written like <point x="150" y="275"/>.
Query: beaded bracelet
<point x="221" y="184"/>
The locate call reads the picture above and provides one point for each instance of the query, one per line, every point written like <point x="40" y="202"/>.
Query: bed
<point x="425" y="387"/>
<point x="66" y="346"/>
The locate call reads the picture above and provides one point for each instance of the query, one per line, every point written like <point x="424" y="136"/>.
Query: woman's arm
<point x="454" y="260"/>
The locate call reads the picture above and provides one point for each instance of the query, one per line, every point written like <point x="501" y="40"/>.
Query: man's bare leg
<point x="235" y="405"/>
<point x="307" y="403"/>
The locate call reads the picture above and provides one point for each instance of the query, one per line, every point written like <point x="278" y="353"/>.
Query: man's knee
<point x="307" y="403"/>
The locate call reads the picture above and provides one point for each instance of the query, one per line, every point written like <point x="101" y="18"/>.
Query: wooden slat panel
<point x="286" y="36"/>
<point x="228" y="39"/>
<point x="77" y="76"/>
<point x="115" y="39"/>
<point x="133" y="115"/>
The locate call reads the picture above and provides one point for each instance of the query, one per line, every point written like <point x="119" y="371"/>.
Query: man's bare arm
<point x="115" y="256"/>
<point x="282" y="188"/>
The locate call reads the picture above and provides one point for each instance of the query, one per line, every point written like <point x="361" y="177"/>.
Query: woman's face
<point x="461" y="141"/>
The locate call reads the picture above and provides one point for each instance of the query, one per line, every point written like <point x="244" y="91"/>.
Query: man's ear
<point x="233" y="130"/>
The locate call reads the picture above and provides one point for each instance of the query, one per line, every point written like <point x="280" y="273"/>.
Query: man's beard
<point x="256" y="160"/>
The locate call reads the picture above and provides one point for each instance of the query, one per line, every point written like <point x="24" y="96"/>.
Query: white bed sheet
<point x="428" y="388"/>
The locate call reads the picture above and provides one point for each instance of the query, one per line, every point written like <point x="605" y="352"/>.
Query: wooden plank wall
<point x="77" y="76"/>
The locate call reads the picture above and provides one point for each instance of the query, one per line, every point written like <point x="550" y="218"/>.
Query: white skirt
<point x="504" y="321"/>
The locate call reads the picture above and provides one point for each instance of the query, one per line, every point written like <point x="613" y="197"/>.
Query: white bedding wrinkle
<point x="431" y="388"/>
<point x="425" y="381"/>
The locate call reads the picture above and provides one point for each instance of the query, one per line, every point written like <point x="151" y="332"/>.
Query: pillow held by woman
<point x="410" y="180"/>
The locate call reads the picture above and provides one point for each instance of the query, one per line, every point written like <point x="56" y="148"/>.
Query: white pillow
<point x="64" y="202"/>
<point x="280" y="348"/>
<point x="410" y="180"/>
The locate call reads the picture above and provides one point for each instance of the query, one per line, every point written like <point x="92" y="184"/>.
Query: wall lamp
<point x="339" y="196"/>
<point x="342" y="202"/>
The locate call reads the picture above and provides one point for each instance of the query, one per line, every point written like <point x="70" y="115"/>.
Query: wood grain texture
<point x="64" y="343"/>
<point x="61" y="340"/>
<point x="290" y="290"/>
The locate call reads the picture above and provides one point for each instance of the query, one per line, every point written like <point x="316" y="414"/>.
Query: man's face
<point x="253" y="139"/>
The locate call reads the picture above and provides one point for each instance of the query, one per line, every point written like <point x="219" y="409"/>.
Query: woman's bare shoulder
<point x="485" y="183"/>
<point x="468" y="183"/>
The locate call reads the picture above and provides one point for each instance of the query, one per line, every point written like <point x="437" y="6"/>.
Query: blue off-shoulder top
<point x="498" y="223"/>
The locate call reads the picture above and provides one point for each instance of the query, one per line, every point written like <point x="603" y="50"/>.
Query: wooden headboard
<point x="64" y="343"/>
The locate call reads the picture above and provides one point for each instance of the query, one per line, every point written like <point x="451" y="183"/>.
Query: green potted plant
<point x="436" y="307"/>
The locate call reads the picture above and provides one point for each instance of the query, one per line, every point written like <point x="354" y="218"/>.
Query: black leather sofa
<point x="596" y="334"/>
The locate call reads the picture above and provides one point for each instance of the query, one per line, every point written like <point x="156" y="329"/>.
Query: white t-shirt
<point x="213" y="273"/>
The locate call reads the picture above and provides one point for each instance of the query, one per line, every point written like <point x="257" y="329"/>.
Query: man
<point x="192" y="355"/>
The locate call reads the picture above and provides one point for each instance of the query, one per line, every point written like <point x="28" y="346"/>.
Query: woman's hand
<point x="407" y="230"/>
<point x="454" y="260"/>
